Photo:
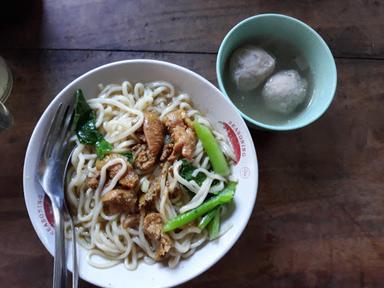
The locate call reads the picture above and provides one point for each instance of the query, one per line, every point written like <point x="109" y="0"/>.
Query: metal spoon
<point x="75" y="273"/>
<point x="6" y="119"/>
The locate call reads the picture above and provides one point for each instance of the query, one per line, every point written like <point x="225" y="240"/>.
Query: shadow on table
<point x="21" y="23"/>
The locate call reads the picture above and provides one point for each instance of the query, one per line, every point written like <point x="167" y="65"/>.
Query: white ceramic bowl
<point x="223" y="116"/>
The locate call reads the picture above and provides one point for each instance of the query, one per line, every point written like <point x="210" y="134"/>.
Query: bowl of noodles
<point x="162" y="179"/>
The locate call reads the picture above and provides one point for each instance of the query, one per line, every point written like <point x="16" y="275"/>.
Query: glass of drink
<point x="6" y="81"/>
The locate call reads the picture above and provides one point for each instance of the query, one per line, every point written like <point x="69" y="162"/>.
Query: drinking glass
<point x="6" y="81"/>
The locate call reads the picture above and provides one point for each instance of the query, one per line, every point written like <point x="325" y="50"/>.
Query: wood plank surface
<point x="319" y="213"/>
<point x="351" y="28"/>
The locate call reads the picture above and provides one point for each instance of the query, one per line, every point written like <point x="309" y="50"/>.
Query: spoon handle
<point x="59" y="265"/>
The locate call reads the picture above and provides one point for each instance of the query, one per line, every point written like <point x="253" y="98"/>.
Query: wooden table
<point x="319" y="216"/>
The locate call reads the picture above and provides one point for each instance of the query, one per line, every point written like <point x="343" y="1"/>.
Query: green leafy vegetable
<point x="129" y="156"/>
<point x="85" y="127"/>
<point x="214" y="225"/>
<point x="212" y="148"/>
<point x="87" y="132"/>
<point x="102" y="147"/>
<point x="186" y="171"/>
<point x="82" y="110"/>
<point x="223" y="197"/>
<point x="207" y="218"/>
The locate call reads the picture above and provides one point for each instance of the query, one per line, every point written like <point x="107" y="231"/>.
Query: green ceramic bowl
<point x="310" y="46"/>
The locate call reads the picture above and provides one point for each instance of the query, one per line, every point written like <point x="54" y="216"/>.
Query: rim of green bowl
<point x="323" y="44"/>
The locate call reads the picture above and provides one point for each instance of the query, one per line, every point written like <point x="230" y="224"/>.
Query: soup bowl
<point x="311" y="48"/>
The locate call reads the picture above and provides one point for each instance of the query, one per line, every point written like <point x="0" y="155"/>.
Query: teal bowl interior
<point x="309" y="45"/>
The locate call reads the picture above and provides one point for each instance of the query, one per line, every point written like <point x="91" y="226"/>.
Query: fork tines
<point x="58" y="131"/>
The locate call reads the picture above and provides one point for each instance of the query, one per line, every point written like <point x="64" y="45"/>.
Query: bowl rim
<point x="323" y="44"/>
<point x="43" y="118"/>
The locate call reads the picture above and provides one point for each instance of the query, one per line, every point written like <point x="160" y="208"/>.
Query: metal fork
<point x="53" y="161"/>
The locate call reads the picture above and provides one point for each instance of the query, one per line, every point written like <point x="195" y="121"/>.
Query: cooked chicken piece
<point x="154" y="137"/>
<point x="153" y="226"/>
<point x="164" y="245"/>
<point x="148" y="198"/>
<point x="129" y="179"/>
<point x="185" y="142"/>
<point x="144" y="160"/>
<point x="154" y="133"/>
<point x="153" y="229"/>
<point x="167" y="151"/>
<point x="183" y="137"/>
<point x="174" y="119"/>
<point x="119" y="200"/>
<point x="93" y="182"/>
<point x="131" y="221"/>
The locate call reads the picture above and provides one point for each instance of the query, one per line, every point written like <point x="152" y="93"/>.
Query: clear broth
<point x="251" y="103"/>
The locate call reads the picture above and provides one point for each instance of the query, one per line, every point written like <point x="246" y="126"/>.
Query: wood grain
<point x="351" y="28"/>
<point x="319" y="213"/>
